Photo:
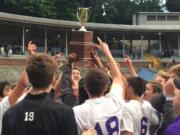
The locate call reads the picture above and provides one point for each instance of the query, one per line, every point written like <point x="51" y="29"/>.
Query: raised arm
<point x="21" y="85"/>
<point x="129" y="65"/>
<point x="115" y="72"/>
<point x="31" y="48"/>
<point x="19" y="88"/>
<point x="67" y="95"/>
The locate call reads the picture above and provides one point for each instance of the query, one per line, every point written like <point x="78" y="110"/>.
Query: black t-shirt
<point x="39" y="115"/>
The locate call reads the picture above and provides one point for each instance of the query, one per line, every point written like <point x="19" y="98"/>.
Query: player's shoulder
<point x="57" y="107"/>
<point x="131" y="103"/>
<point x="147" y="104"/>
<point x="83" y="108"/>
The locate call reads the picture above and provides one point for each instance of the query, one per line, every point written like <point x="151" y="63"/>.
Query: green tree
<point x="66" y="9"/>
<point x="103" y="11"/>
<point x="40" y="8"/>
<point x="148" y="5"/>
<point x="173" y="5"/>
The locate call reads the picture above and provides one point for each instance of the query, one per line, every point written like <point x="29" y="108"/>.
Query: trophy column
<point x="81" y="43"/>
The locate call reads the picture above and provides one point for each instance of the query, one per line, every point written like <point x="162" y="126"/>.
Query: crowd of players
<point x="104" y="102"/>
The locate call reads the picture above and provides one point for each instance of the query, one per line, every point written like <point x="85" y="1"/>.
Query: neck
<point x="136" y="98"/>
<point x="40" y="91"/>
<point x="92" y="97"/>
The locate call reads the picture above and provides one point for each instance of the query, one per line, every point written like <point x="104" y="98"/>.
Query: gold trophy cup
<point x="83" y="15"/>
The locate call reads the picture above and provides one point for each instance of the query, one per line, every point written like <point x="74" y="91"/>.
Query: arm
<point x="31" y="48"/>
<point x="68" y="97"/>
<point x="56" y="87"/>
<point x="97" y="60"/>
<point x="129" y="65"/>
<point x="19" y="88"/>
<point x="115" y="73"/>
<point x="21" y="85"/>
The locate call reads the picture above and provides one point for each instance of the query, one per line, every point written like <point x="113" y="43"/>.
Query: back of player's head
<point x="41" y="70"/>
<point x="96" y="82"/>
<point x="138" y="85"/>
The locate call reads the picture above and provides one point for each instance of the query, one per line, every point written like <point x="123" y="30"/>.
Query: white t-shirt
<point x="104" y="113"/>
<point x="4" y="105"/>
<point x="138" y="116"/>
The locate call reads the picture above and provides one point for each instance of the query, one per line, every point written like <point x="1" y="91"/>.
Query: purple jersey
<point x="174" y="128"/>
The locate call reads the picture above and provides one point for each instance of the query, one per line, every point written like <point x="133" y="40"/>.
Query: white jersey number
<point x="29" y="116"/>
<point x="111" y="124"/>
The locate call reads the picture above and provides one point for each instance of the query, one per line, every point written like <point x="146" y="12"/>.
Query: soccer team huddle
<point x="103" y="102"/>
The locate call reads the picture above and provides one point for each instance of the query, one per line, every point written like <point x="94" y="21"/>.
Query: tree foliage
<point x="173" y="5"/>
<point x="104" y="11"/>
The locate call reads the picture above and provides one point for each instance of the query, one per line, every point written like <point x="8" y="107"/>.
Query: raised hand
<point x="96" y="59"/>
<point x="72" y="57"/>
<point x="90" y="132"/>
<point x="129" y="65"/>
<point x="57" y="57"/>
<point x="31" y="48"/>
<point x="127" y="61"/>
<point x="104" y="47"/>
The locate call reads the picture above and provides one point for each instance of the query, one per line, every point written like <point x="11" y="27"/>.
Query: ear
<point x="53" y="80"/>
<point x="89" y="95"/>
<point x="105" y="89"/>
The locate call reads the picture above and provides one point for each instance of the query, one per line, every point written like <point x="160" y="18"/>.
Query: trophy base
<point x="82" y="44"/>
<point x="85" y="63"/>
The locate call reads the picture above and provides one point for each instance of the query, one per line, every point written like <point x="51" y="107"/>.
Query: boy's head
<point x="96" y="82"/>
<point x="41" y="70"/>
<point x="5" y="89"/>
<point x="153" y="88"/>
<point x="76" y="73"/>
<point x="135" y="86"/>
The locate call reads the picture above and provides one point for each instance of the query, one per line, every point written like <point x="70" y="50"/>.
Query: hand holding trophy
<point x="83" y="15"/>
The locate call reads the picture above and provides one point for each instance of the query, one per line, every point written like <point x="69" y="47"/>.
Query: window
<point x="172" y="18"/>
<point x="161" y="18"/>
<point x="151" y="18"/>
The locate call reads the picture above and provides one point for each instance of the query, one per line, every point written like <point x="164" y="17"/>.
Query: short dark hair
<point x="96" y="82"/>
<point x="3" y="84"/>
<point x="41" y="70"/>
<point x="138" y="85"/>
<point x="157" y="87"/>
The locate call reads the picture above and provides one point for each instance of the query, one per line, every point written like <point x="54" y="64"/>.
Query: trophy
<point x="83" y="15"/>
<point x="81" y="42"/>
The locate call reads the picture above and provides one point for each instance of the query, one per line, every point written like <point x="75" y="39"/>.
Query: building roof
<point x="7" y="17"/>
<point x="159" y="13"/>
